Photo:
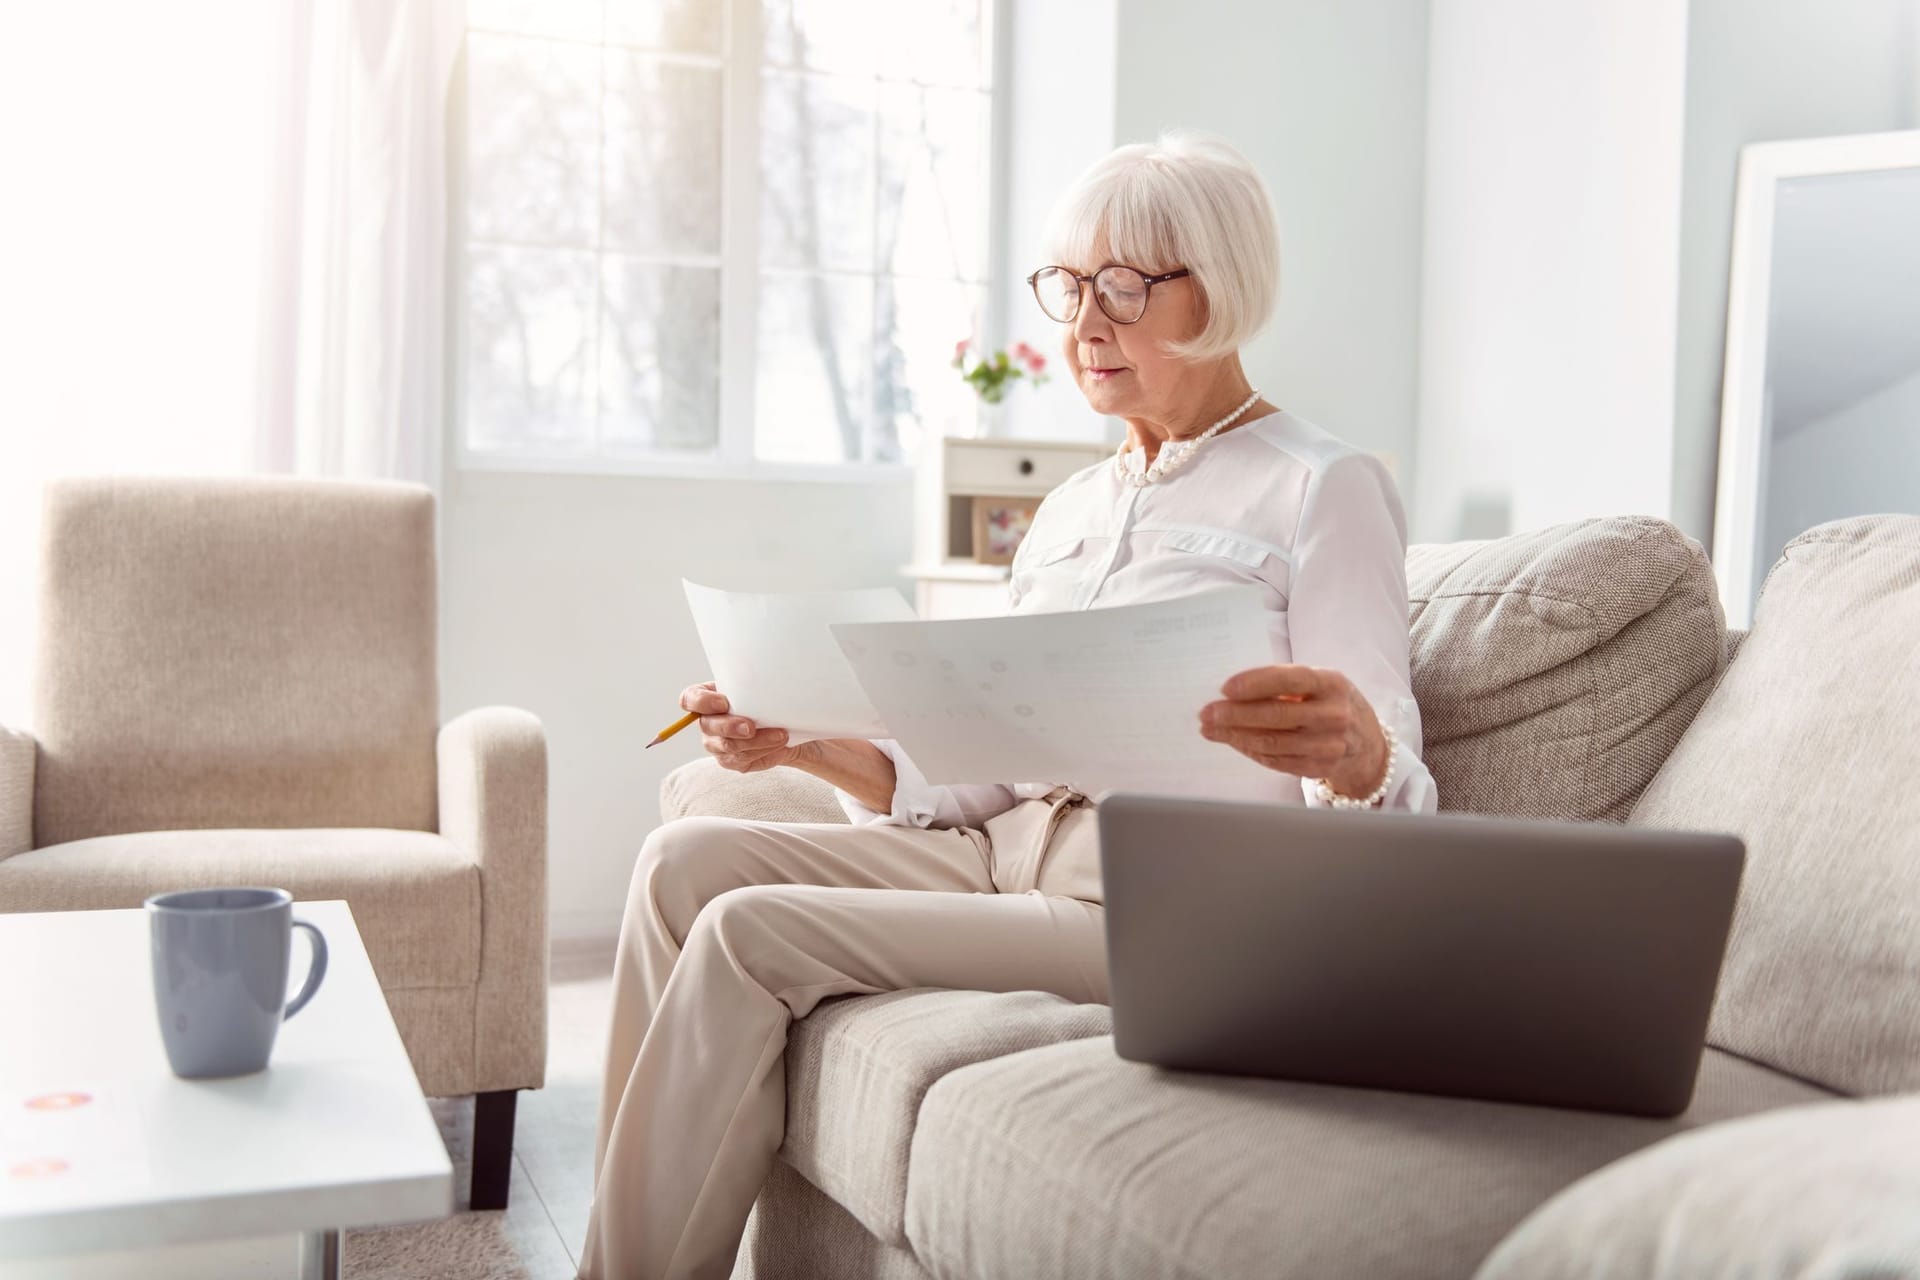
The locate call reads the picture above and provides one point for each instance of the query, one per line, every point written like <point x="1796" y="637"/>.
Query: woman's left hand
<point x="1309" y="721"/>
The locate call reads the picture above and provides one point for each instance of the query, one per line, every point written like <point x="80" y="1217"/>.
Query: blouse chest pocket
<point x="1226" y="547"/>
<point x="1212" y="557"/>
<point x="1051" y="554"/>
<point x="1028" y="565"/>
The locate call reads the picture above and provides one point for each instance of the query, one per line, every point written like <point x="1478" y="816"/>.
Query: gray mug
<point x="220" y="960"/>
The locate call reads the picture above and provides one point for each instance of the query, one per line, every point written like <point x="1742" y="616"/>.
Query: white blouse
<point x="1278" y="503"/>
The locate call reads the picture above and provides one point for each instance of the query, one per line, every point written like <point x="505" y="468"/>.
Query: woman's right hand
<point x="735" y="741"/>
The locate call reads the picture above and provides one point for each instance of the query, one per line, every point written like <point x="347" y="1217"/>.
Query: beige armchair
<point x="237" y="683"/>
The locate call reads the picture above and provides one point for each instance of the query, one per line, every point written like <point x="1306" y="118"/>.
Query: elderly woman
<point x="1165" y="262"/>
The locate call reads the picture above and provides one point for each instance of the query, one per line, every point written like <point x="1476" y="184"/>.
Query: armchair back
<point x="235" y="652"/>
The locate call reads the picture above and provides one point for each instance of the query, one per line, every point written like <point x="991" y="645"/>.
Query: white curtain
<point x="350" y="371"/>
<point x="131" y="175"/>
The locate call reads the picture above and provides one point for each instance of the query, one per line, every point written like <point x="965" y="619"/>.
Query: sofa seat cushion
<point x="415" y="897"/>
<point x="1831" y="1189"/>
<point x="1070" y="1162"/>
<point x="1555" y="669"/>
<point x="1808" y="751"/>
<point x="857" y="1068"/>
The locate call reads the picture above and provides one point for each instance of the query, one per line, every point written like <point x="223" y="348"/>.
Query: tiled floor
<point x="540" y="1233"/>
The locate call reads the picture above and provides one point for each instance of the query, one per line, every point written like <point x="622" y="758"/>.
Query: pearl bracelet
<point x="1328" y="796"/>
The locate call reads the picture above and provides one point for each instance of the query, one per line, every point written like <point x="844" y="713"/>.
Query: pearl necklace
<point x="1173" y="453"/>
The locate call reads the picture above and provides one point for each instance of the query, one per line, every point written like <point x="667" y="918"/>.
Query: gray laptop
<point x="1569" y="964"/>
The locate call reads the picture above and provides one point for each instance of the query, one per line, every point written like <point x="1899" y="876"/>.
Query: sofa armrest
<point x="1827" y="1189"/>
<point x="493" y="804"/>
<point x="18" y="755"/>
<point x="701" y="788"/>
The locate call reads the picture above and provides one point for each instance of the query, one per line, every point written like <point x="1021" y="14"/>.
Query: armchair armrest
<point x="1828" y="1188"/>
<point x="493" y="804"/>
<point x="18" y="755"/>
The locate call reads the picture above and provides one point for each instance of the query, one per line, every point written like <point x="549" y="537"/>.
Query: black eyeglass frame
<point x="1084" y="282"/>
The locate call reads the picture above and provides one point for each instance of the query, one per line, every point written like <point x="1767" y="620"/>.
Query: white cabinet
<point x="956" y="593"/>
<point x="948" y="581"/>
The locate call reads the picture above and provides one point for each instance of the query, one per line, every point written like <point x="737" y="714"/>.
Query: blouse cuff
<point x="1412" y="790"/>
<point x="916" y="802"/>
<point x="919" y="803"/>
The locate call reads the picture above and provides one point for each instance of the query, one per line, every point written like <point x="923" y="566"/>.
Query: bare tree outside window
<point x="594" y="202"/>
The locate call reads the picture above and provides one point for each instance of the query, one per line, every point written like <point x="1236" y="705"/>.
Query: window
<point x="715" y="234"/>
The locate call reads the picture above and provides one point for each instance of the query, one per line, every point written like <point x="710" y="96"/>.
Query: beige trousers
<point x="735" y="928"/>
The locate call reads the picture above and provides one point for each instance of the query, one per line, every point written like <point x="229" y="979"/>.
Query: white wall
<point x="1058" y="124"/>
<point x="1327" y="100"/>
<point x="561" y="594"/>
<point x="1550" y="261"/>
<point x="1764" y="70"/>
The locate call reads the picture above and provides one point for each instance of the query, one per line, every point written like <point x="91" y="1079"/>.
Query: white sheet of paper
<point x="773" y="656"/>
<point x="1102" y="699"/>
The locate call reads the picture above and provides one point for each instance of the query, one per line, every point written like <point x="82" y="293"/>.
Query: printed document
<point x="1101" y="699"/>
<point x="773" y="656"/>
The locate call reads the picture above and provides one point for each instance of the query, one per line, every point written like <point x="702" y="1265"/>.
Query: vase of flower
<point x="992" y="374"/>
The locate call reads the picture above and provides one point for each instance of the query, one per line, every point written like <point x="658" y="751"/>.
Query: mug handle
<point x="315" y="970"/>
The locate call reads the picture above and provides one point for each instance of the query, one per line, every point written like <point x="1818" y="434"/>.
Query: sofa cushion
<point x="1831" y="1189"/>
<point x="1069" y="1162"/>
<point x="857" y="1068"/>
<point x="702" y="789"/>
<point x="415" y="897"/>
<point x="1809" y="750"/>
<point x="1556" y="669"/>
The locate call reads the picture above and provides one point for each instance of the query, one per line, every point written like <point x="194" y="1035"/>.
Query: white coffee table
<point x="112" y="1166"/>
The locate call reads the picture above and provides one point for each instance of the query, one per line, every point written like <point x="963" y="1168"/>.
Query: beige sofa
<point x="1580" y="672"/>
<point x="237" y="684"/>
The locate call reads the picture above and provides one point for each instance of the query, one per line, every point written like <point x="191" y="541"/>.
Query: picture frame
<point x="1791" y="291"/>
<point x="999" y="523"/>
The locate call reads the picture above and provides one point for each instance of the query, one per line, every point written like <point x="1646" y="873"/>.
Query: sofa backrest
<point x="1555" y="669"/>
<point x="1809" y="749"/>
<point x="239" y="652"/>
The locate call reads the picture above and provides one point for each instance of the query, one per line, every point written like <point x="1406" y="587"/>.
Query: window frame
<point x="739" y="265"/>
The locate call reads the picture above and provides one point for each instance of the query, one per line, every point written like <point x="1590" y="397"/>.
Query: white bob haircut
<point x="1186" y="200"/>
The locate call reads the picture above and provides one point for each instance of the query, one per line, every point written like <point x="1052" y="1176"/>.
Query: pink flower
<point x="1036" y="362"/>
<point x="1022" y="350"/>
<point x="960" y="347"/>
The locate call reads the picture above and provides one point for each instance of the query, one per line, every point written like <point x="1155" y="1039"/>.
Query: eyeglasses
<point x="1121" y="291"/>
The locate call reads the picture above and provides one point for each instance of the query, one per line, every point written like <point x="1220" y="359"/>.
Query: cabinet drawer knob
<point x="1026" y="466"/>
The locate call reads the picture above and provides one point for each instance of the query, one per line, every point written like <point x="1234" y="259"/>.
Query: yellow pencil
<point x="674" y="728"/>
